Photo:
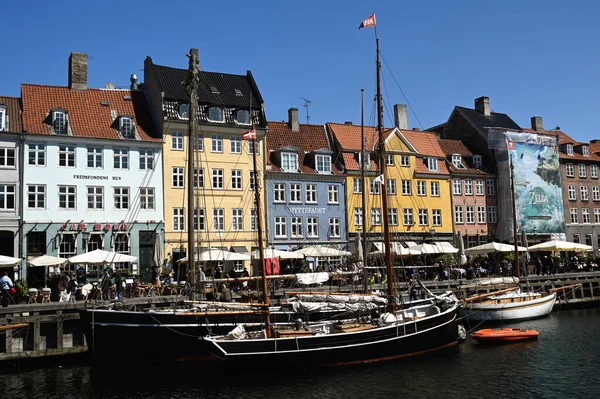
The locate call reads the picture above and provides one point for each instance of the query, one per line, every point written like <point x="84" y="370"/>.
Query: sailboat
<point x="395" y="334"/>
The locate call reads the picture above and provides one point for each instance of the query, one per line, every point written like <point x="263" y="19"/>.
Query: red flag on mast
<point x="250" y="134"/>
<point x="368" y="22"/>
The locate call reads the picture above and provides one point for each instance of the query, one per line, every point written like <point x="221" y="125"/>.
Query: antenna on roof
<point x="306" y="102"/>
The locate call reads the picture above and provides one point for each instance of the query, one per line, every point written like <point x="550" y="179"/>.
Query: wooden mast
<point x="514" y="212"/>
<point x="364" y="188"/>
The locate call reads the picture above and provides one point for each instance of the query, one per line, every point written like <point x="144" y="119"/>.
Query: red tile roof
<point x="349" y="136"/>
<point x="424" y="142"/>
<point x="87" y="117"/>
<point x="14" y="113"/>
<point x="450" y="147"/>
<point x="351" y="163"/>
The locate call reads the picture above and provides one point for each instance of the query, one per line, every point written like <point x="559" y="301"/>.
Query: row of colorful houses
<point x="85" y="168"/>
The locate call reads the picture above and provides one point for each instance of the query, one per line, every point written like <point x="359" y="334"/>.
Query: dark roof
<point x="481" y="121"/>
<point x="233" y="90"/>
<point x="14" y="113"/>
<point x="458" y="147"/>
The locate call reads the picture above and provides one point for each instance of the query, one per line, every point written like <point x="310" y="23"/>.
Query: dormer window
<point x="432" y="164"/>
<point x="215" y="114"/>
<point x="585" y="150"/>
<point x="289" y="162"/>
<point x="3" y="123"/>
<point x="126" y="126"/>
<point x="323" y="163"/>
<point x="182" y="110"/>
<point x="457" y="161"/>
<point x="59" y="122"/>
<point x="242" y="116"/>
<point x="238" y="92"/>
<point x="569" y="149"/>
<point x="367" y="160"/>
<point x="477" y="161"/>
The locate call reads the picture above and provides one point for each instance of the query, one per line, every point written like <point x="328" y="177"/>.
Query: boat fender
<point x="462" y="333"/>
<point x="388" y="318"/>
<point x="238" y="332"/>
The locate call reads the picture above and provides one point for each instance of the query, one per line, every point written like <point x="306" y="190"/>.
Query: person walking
<point x="72" y="288"/>
<point x="7" y="286"/>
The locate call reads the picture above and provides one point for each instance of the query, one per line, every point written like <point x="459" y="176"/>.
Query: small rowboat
<point x="502" y="335"/>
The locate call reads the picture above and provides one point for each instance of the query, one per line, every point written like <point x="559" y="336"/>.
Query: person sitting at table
<point x="225" y="293"/>
<point x="155" y="287"/>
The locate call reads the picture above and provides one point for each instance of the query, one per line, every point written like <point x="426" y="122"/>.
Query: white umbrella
<point x="461" y="250"/>
<point x="492" y="247"/>
<point x="436" y="248"/>
<point x="318" y="251"/>
<point x="47" y="260"/>
<point x="214" y="255"/>
<point x="158" y="251"/>
<point x="8" y="260"/>
<point x="101" y="256"/>
<point x="557" y="245"/>
<point x="276" y="253"/>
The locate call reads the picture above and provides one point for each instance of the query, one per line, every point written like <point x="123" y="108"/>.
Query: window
<point x="215" y="114"/>
<point x="582" y="171"/>
<point x="393" y="216"/>
<point x="391" y="186"/>
<point x="36" y="196"/>
<point x="178" y="219"/>
<point x="334" y="227"/>
<point x="574" y="215"/>
<point x="216" y="143"/>
<point x="333" y="194"/>
<point x="408" y="217"/>
<point x="3" y="124"/>
<point x="66" y="155"/>
<point x="236" y="179"/>
<point x="585" y="215"/>
<point x="121" y="158"/>
<point x="242" y="116"/>
<point x="436" y="217"/>
<point x="36" y="242"/>
<point x="126" y="127"/>
<point x="596" y="215"/>
<point x="235" y="145"/>
<point x="435" y="189"/>
<point x="404" y="160"/>
<point x="481" y="214"/>
<point x="312" y="227"/>
<point x="572" y="193"/>
<point x="357" y="185"/>
<point x="458" y="215"/>
<point x="585" y="150"/>
<point x="576" y="238"/>
<point x="594" y="171"/>
<point x="406" y="187"/>
<point x="177" y="141"/>
<point x="311" y="193"/>
<point x="595" y="193"/>
<point x="588" y="239"/>
<point x="121" y="197"/>
<point x="457" y="161"/>
<point x="68" y="244"/>
<point x="569" y="149"/>
<point x="147" y="197"/>
<point x="252" y="180"/>
<point x="468" y="187"/>
<point x="479" y="189"/>
<point x="279" y="192"/>
<point x="7" y="197"/>
<point x="295" y="193"/>
<point x="37" y="154"/>
<point x="183" y="110"/>
<point x="477" y="161"/>
<point x="217" y="179"/>
<point x="59" y="122"/>
<point x="218" y="219"/>
<point x="199" y="219"/>
<point x="456" y="186"/>
<point x="251" y="147"/>
<point x="584" y="193"/>
<point x="289" y="162"/>
<point x="367" y="157"/>
<point x="323" y="164"/>
<point x="95" y="241"/>
<point x="375" y="216"/>
<point x="67" y="197"/>
<point x="570" y="170"/>
<point x="492" y="218"/>
<point x="423" y="217"/>
<point x="296" y="226"/>
<point x="237" y="219"/>
<point x="253" y="221"/>
<point x="358" y="217"/>
<point x="7" y="157"/>
<point x="199" y="142"/>
<point x="389" y="159"/>
<point x="146" y="159"/>
<point x="375" y="186"/>
<point x="421" y="187"/>
<point x="470" y="211"/>
<point x="432" y="164"/>
<point x="471" y="241"/>
<point x="491" y="188"/>
<point x="178" y="177"/>
<point x="199" y="178"/>
<point x="95" y="197"/>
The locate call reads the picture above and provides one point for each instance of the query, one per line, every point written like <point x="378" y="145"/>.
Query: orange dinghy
<point x="502" y="335"/>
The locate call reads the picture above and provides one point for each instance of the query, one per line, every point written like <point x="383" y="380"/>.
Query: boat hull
<point x="505" y="311"/>
<point x="504" y="335"/>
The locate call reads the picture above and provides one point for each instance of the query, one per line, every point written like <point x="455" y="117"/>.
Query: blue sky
<point x="530" y="57"/>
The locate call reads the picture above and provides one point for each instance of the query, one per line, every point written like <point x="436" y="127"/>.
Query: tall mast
<point x="384" y="199"/>
<point x="364" y="188"/>
<point x="192" y="87"/>
<point x="514" y="212"/>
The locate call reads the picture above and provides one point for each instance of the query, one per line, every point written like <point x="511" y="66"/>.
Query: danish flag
<point x="250" y="134"/>
<point x="368" y="22"/>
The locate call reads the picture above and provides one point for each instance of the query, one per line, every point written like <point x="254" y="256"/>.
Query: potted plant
<point x="22" y="291"/>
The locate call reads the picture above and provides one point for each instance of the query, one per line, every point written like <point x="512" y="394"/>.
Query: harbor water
<point x="564" y="362"/>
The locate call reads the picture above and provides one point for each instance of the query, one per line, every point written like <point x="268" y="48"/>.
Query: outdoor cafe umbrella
<point x="100" y="256"/>
<point x="492" y="247"/>
<point x="276" y="253"/>
<point x="45" y="261"/>
<point x="436" y="248"/>
<point x="318" y="251"/>
<point x="461" y="250"/>
<point x="557" y="245"/>
<point x="8" y="260"/>
<point x="217" y="255"/>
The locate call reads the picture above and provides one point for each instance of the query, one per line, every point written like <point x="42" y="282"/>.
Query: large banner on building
<point x="538" y="190"/>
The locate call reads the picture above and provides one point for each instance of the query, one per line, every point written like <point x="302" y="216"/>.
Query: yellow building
<point x="418" y="184"/>
<point x="224" y="212"/>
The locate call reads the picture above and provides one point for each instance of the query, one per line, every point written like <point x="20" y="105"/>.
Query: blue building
<point x="306" y="198"/>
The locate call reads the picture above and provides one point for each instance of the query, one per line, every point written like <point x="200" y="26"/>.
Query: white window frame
<point x="432" y="164"/>
<point x="289" y="162"/>
<point x="218" y="219"/>
<point x="296" y="226"/>
<point x="477" y="162"/>
<point x="5" y="157"/>
<point x="391" y="186"/>
<point x="69" y="152"/>
<point x="216" y="143"/>
<point x="585" y="215"/>
<point x="63" y="127"/>
<point x="436" y="217"/>
<point x="95" y="157"/>
<point x="479" y="187"/>
<point x="585" y="150"/>
<point x="597" y="215"/>
<point x="311" y="194"/>
<point x="237" y="219"/>
<point x="569" y="149"/>
<point x="3" y="124"/>
<point x="39" y="154"/>
<point x="334" y="228"/>
<point x="357" y="185"/>
<point x="236" y="179"/>
<point x="8" y="191"/>
<point x="374" y="186"/>
<point x="177" y="177"/>
<point x="122" y="199"/>
<point x="67" y="192"/>
<point x="457" y="161"/>
<point x="406" y="187"/>
<point x="393" y="216"/>
<point x="435" y="188"/>
<point x="247" y="121"/>
<point x="95" y="197"/>
<point x="470" y="214"/>
<point x="405" y="161"/>
<point x="295" y="193"/>
<point x="389" y="159"/>
<point x="570" y="170"/>
<point x="36" y="193"/>
<point x="468" y="186"/>
<point x="490" y="187"/>
<point x="333" y="194"/>
<point x="147" y="198"/>
<point x="218" y="182"/>
<point x="583" y="169"/>
<point x="199" y="219"/>
<point x="408" y="217"/>
<point x="323" y="164"/>
<point x="457" y="186"/>
<point x="235" y="145"/>
<point x="280" y="227"/>
<point x="492" y="214"/>
<point x="375" y="216"/>
<point x="121" y="158"/>
<point x="574" y="215"/>
<point x="594" y="171"/>
<point x="146" y="159"/>
<point x="358" y="217"/>
<point x="595" y="193"/>
<point x="253" y="219"/>
<point x="421" y="188"/>
<point x="279" y="193"/>
<point x="459" y="216"/>
<point x="126" y="127"/>
<point x="312" y="227"/>
<point x="584" y="193"/>
<point x="572" y="193"/>
<point x="481" y="214"/>
<point x="199" y="142"/>
<point x="209" y="116"/>
<point x="178" y="219"/>
<point x="423" y="217"/>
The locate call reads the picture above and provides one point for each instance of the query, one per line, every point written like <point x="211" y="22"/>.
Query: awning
<point x="220" y="248"/>
<point x="410" y="243"/>
<point x="201" y="249"/>
<point x="239" y="249"/>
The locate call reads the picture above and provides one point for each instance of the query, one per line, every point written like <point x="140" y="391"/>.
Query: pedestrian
<point x="225" y="293"/>
<point x="72" y="288"/>
<point x="119" y="287"/>
<point x="7" y="287"/>
<point x="105" y="283"/>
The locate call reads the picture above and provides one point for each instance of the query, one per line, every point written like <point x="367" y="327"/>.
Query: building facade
<point x="91" y="171"/>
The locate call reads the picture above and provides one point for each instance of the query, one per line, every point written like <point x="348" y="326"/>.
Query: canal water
<point x="563" y="363"/>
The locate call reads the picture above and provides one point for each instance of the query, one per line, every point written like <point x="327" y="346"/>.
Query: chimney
<point x="134" y="82"/>
<point x="293" y="119"/>
<point x="400" y="116"/>
<point x="536" y="123"/>
<point x="348" y="123"/>
<point x="78" y="71"/>
<point x="482" y="105"/>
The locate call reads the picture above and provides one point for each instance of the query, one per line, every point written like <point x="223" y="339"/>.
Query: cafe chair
<point x="46" y="295"/>
<point x="33" y="295"/>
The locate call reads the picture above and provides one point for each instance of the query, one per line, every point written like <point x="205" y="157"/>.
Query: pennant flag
<point x="380" y="179"/>
<point x="250" y="134"/>
<point x="368" y="22"/>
